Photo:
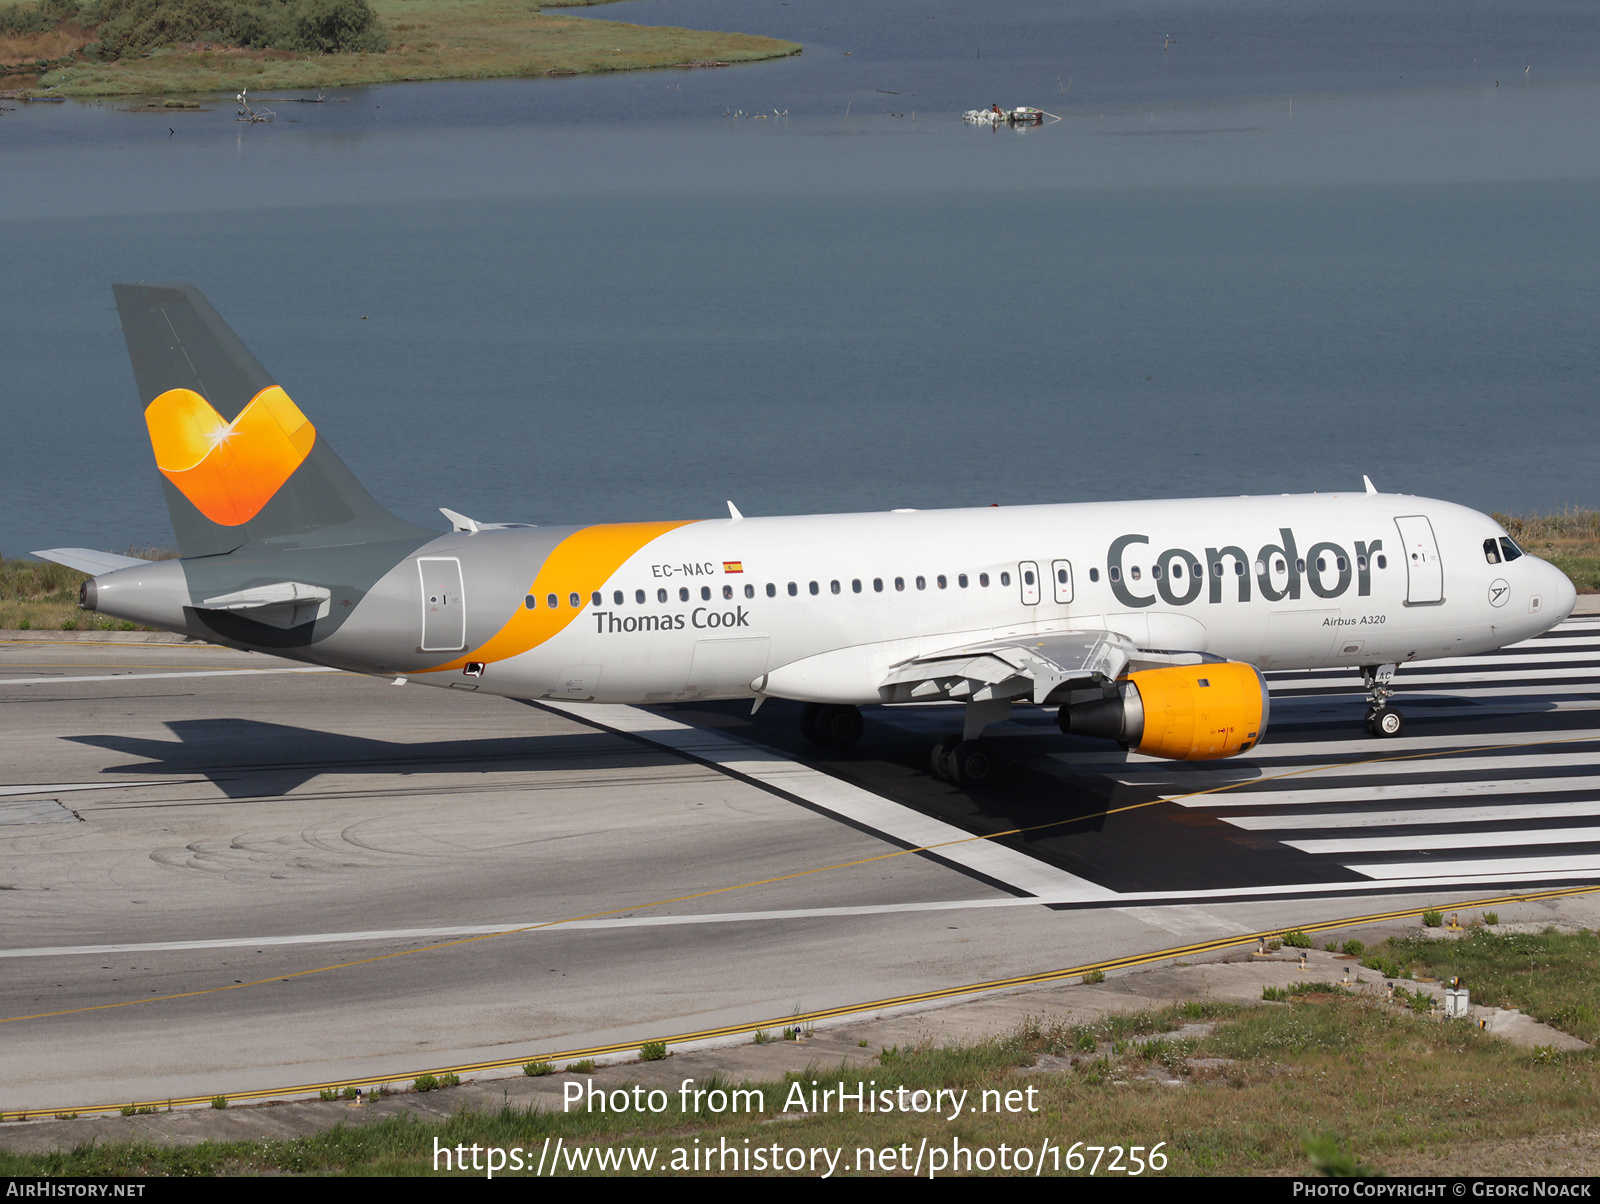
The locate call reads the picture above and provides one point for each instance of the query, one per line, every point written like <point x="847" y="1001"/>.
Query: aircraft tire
<point x="1386" y="722"/>
<point x="939" y="759"/>
<point x="972" y="763"/>
<point x="839" y="726"/>
<point x="808" y="722"/>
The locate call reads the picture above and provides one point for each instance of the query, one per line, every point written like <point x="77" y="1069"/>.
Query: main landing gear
<point x="831" y="726"/>
<point x="968" y="760"/>
<point x="1382" y="719"/>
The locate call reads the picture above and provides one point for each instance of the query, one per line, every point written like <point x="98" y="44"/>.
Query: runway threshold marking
<point x="1137" y="897"/>
<point x="1132" y="961"/>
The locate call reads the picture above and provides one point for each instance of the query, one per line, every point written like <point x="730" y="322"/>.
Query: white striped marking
<point x="1300" y="821"/>
<point x="69" y="680"/>
<point x="1448" y="840"/>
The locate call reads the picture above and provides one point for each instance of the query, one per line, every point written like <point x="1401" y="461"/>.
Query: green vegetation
<point x="155" y="47"/>
<point x="1330" y="1076"/>
<point x="1553" y="976"/>
<point x="537" y="1069"/>
<point x="1297" y="939"/>
<point x="652" y="1051"/>
<point x="219" y="1101"/>
<point x="586" y="1066"/>
<point x="1569" y="540"/>
<point x="36" y="596"/>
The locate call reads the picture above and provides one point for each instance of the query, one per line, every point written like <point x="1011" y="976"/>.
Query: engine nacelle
<point x="1187" y="712"/>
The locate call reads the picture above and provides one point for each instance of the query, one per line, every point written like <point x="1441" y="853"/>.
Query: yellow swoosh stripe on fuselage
<point x="582" y="563"/>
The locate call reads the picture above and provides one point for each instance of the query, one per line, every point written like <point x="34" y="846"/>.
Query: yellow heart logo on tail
<point x="229" y="470"/>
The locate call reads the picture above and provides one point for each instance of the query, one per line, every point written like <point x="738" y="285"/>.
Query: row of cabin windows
<point x="814" y="588"/>
<point x="1279" y="565"/>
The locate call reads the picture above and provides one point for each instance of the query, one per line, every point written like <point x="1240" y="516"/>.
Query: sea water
<point x="1261" y="251"/>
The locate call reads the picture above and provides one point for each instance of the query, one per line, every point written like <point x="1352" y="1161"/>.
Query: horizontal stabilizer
<point x="86" y="560"/>
<point x="282" y="604"/>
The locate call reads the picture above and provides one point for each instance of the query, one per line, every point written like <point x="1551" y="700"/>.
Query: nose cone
<point x="1561" y="593"/>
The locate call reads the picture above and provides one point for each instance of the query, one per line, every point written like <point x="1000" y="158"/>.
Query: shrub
<point x="536" y="1070"/>
<point x="425" y="1082"/>
<point x="652" y="1051"/>
<point x="1094" y="976"/>
<point x="1296" y="939"/>
<point x="329" y="1093"/>
<point x="584" y="1067"/>
<point x="1432" y="919"/>
<point x="1491" y="917"/>
<point x="219" y="1101"/>
<point x="1353" y="948"/>
<point x="351" y="1093"/>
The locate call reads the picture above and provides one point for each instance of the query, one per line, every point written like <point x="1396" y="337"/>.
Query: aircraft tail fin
<point x="238" y="459"/>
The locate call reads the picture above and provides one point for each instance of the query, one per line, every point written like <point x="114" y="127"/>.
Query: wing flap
<point x="1033" y="667"/>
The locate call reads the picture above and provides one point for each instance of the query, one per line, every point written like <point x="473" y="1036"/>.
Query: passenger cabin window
<point x="855" y="586"/>
<point x="922" y="583"/>
<point x="1279" y="566"/>
<point x="705" y="593"/>
<point x="1382" y="561"/>
<point x="574" y="601"/>
<point x="1094" y="574"/>
<point x="1510" y="549"/>
<point x="661" y="595"/>
<point x="531" y="602"/>
<point x="899" y="583"/>
<point x="813" y="588"/>
<point x="793" y="589"/>
<point x="727" y="593"/>
<point x="683" y="594"/>
<point x="638" y="596"/>
<point x="749" y="591"/>
<point x="1300" y="565"/>
<point x="772" y="590"/>
<point x="1005" y="578"/>
<point x="941" y="581"/>
<point x="1027" y="577"/>
<point x="616" y="598"/>
<point x="552" y="601"/>
<point x="1134" y="572"/>
<point x="1155" y="572"/>
<point x="962" y="581"/>
<point x="983" y="580"/>
<point x="596" y="598"/>
<point x="877" y="585"/>
<point x="833" y="587"/>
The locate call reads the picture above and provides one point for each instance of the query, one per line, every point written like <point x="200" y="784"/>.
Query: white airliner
<point x="1146" y="623"/>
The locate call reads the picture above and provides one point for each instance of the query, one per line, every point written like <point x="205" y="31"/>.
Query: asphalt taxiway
<point x="222" y="873"/>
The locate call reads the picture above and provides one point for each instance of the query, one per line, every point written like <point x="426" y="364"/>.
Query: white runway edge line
<point x="69" y="680"/>
<point x="829" y="794"/>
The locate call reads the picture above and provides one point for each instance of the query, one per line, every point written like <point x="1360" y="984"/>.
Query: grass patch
<point x="1552" y="976"/>
<point x="1329" y="1078"/>
<point x="1569" y="540"/>
<point x="39" y="596"/>
<point x="427" y="39"/>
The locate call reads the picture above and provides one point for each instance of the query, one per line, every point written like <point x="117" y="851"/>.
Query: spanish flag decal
<point x="229" y="470"/>
<point x="733" y="566"/>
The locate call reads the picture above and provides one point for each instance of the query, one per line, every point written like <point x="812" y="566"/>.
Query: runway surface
<point x="221" y="872"/>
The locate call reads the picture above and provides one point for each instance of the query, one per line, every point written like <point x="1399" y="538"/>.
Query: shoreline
<point x="429" y="40"/>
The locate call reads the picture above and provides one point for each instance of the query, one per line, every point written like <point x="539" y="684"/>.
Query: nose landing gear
<point x="1382" y="719"/>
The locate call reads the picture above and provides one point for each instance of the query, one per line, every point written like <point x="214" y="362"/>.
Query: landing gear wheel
<point x="940" y="757"/>
<point x="831" y="726"/>
<point x="972" y="763"/>
<point x="808" y="722"/>
<point x="1386" y="721"/>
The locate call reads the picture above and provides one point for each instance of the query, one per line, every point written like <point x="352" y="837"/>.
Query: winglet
<point x="733" y="512"/>
<point x="1367" y="481"/>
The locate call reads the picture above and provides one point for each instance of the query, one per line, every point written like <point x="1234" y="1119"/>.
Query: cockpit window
<point x="1510" y="549"/>
<point x="1491" y="551"/>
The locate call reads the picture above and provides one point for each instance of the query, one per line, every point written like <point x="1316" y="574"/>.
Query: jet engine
<point x="1186" y="712"/>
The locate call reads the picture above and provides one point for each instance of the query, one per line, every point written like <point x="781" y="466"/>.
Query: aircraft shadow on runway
<point x="1088" y="824"/>
<point x="245" y="758"/>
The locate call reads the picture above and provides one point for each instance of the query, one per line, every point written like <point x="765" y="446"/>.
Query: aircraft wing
<point x="86" y="560"/>
<point x="1031" y="667"/>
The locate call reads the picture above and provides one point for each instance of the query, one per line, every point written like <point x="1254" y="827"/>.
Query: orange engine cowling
<point x="1186" y="712"/>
